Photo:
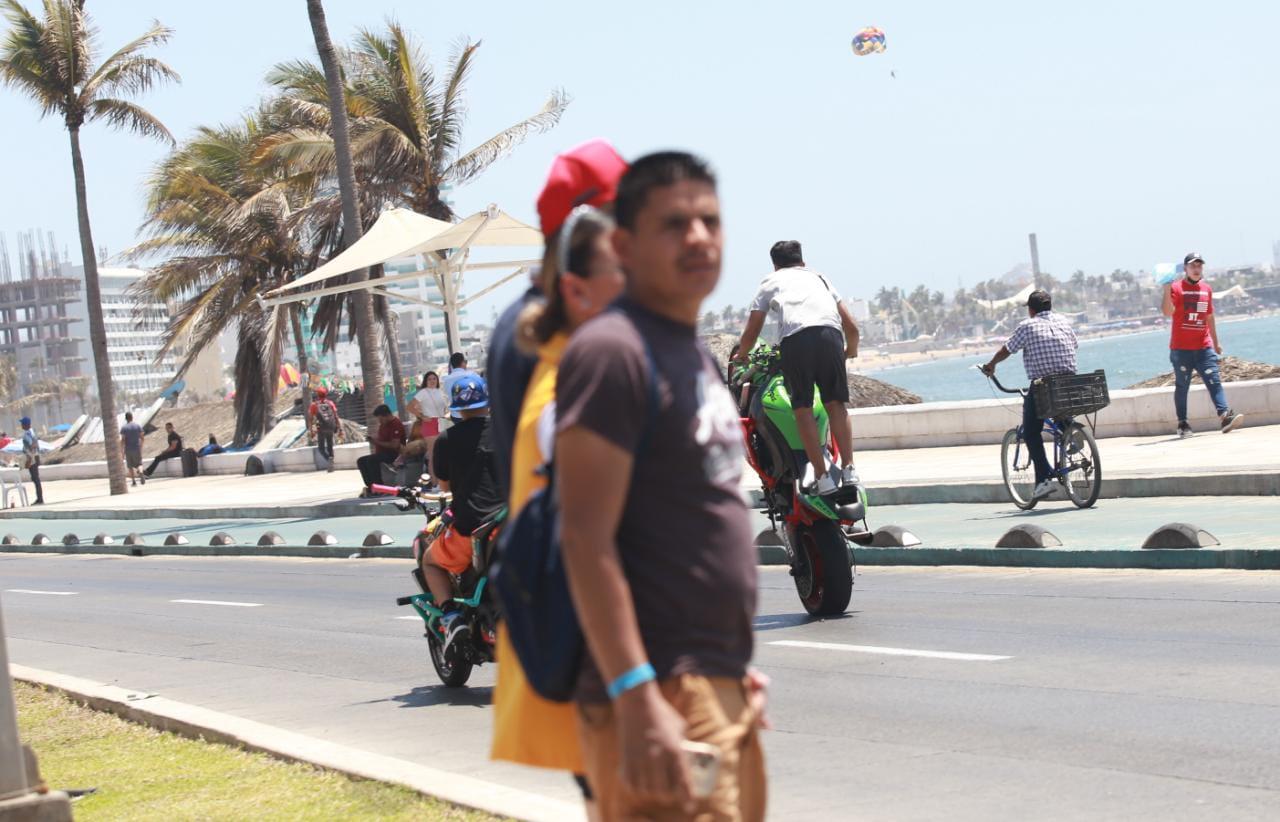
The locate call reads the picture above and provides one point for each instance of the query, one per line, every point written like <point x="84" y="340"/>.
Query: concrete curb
<point x="325" y="510"/>
<point x="1241" y="559"/>
<point x="246" y="550"/>
<point x="1246" y="559"/>
<point x="1239" y="484"/>
<point x="213" y="726"/>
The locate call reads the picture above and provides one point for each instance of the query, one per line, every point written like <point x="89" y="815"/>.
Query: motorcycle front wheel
<point x="822" y="570"/>
<point x="453" y="673"/>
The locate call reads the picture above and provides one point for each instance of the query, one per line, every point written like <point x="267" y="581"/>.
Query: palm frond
<point x="473" y="163"/>
<point x="128" y="71"/>
<point x="452" y="110"/>
<point x="129" y="116"/>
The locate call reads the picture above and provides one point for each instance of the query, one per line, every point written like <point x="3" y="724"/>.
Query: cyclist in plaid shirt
<point x="1048" y="345"/>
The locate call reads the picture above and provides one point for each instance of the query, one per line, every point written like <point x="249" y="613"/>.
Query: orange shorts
<point x="452" y="551"/>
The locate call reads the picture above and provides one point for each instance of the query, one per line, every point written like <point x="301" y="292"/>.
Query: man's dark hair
<point x="168" y="425"/>
<point x="663" y="168"/>
<point x="786" y="254"/>
<point x="128" y="416"/>
<point x="382" y="411"/>
<point x="457" y="360"/>
<point x="1039" y="301"/>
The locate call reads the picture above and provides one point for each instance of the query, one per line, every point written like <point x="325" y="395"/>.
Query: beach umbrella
<point x="61" y="427"/>
<point x="15" y="447"/>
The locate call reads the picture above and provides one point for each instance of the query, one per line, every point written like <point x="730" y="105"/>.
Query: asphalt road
<point x="956" y="693"/>
<point x="1238" y="522"/>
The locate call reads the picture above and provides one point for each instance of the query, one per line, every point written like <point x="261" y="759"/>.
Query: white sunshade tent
<point x="445" y="246"/>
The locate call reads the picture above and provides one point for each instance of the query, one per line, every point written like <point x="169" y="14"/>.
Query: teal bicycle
<point x="1075" y="461"/>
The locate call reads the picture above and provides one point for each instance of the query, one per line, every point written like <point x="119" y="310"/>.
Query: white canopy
<point x="397" y="233"/>
<point x="402" y="233"/>
<point x="1017" y="299"/>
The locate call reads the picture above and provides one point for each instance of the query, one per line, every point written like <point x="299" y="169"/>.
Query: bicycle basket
<point x="1071" y="395"/>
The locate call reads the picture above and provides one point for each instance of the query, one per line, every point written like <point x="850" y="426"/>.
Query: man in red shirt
<point x="323" y="419"/>
<point x="386" y="447"/>
<point x="1193" y="345"/>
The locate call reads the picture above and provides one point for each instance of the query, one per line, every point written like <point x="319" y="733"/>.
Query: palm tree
<point x="352" y="228"/>
<point x="227" y="223"/>
<point x="51" y="60"/>
<point x="406" y="125"/>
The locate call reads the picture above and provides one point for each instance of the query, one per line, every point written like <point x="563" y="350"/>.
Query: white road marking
<point x="217" y="602"/>
<point x="44" y="593"/>
<point x="415" y="616"/>
<point x="877" y="649"/>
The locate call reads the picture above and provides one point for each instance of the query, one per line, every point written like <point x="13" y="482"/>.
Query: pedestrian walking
<point x="1193" y="344"/>
<point x="323" y="418"/>
<point x="31" y="457"/>
<point x="387" y="439"/>
<point x="131" y="439"/>
<point x="1048" y="344"/>
<point x="818" y="335"/>
<point x="578" y="279"/>
<point x="172" y="451"/>
<point x="656" y="538"/>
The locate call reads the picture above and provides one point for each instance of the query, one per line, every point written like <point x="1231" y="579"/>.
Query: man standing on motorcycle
<point x="656" y="539"/>
<point x="812" y="317"/>
<point x="462" y="464"/>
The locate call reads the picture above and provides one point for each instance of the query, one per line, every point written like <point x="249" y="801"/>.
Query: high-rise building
<point x="135" y="332"/>
<point x="40" y="332"/>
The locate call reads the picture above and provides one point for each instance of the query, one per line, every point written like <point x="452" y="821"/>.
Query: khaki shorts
<point x="717" y="713"/>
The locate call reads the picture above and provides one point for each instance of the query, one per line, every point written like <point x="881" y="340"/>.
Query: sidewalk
<point x="1242" y="463"/>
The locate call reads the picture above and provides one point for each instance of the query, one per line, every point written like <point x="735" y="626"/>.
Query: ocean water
<point x="1127" y="360"/>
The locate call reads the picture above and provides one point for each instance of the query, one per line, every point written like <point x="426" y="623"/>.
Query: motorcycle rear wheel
<point x="822" y="571"/>
<point x="453" y="673"/>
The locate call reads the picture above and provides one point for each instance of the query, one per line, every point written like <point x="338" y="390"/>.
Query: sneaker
<point x="133" y="483"/>
<point x="1184" y="430"/>
<point x="143" y="479"/>
<point x="455" y="628"/>
<point x="1231" y="421"/>
<point x="849" y="476"/>
<point x="1043" y="490"/>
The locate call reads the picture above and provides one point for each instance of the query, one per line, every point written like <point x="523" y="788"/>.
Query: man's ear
<point x="623" y="241"/>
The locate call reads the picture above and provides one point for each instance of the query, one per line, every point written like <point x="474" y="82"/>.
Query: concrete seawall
<point x="1132" y="413"/>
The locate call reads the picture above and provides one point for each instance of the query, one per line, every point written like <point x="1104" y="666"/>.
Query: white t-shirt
<point x="432" y="402"/>
<point x="802" y="299"/>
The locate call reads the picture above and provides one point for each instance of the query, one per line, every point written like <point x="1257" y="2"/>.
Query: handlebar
<point x="992" y="377"/>
<point x="388" y="490"/>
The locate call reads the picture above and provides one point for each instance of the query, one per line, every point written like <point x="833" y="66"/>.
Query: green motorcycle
<point x="817" y="533"/>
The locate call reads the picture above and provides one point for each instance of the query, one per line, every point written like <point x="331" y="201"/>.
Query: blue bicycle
<point x="1075" y="460"/>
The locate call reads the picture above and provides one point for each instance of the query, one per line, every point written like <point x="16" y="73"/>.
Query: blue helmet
<point x="468" y="394"/>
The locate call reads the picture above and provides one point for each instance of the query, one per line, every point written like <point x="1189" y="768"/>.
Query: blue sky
<point x="1123" y="134"/>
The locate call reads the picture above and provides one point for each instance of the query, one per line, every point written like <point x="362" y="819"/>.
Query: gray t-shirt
<point x="685" y="536"/>
<point x="131" y="433"/>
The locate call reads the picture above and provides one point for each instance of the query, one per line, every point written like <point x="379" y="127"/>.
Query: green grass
<point x="141" y="773"/>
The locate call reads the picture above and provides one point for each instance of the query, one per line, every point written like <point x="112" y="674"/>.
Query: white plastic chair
<point x="17" y="487"/>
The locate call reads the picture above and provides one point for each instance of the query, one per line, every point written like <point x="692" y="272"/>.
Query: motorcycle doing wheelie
<point x="815" y="532"/>
<point x="474" y="600"/>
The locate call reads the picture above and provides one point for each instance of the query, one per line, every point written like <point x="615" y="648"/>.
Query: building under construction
<point x="40" y="330"/>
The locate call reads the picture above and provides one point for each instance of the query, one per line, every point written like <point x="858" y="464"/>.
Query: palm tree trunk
<point x="391" y="330"/>
<point x="97" y="328"/>
<point x="304" y="365"/>
<point x="361" y="304"/>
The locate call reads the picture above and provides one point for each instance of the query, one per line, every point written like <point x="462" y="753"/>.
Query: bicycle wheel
<point x="1083" y="466"/>
<point x="1019" y="474"/>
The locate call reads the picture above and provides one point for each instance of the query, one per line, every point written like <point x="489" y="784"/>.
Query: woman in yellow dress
<point x="580" y="278"/>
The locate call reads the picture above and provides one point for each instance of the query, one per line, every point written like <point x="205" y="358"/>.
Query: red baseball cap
<point x="586" y="175"/>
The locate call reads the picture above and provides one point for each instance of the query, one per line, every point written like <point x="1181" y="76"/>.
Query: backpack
<point x="533" y="589"/>
<point x="326" y="417"/>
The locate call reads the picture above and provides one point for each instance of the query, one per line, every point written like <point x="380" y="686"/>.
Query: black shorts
<point x="815" y="356"/>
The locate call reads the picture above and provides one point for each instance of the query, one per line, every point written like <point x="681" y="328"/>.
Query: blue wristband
<point x="634" y="678"/>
